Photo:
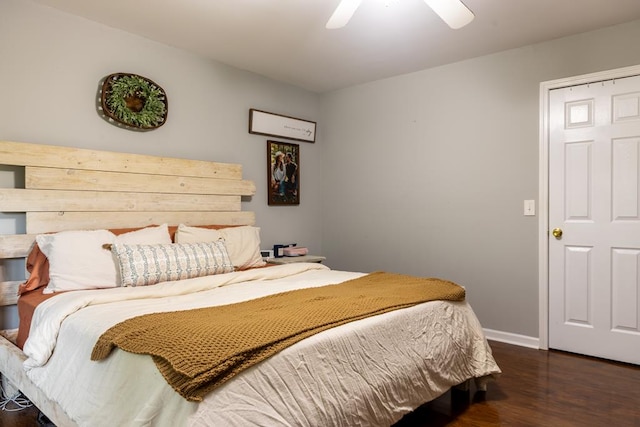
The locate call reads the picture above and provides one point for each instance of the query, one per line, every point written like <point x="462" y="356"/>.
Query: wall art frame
<point x="277" y="125"/>
<point x="283" y="173"/>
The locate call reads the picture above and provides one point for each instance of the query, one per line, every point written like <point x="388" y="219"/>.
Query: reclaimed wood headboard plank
<point x="21" y="200"/>
<point x="77" y="179"/>
<point x="15" y="245"/>
<point x="26" y="154"/>
<point x="9" y="292"/>
<point x="44" y="222"/>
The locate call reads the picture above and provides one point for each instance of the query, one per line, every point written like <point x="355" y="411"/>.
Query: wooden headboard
<point x="74" y="189"/>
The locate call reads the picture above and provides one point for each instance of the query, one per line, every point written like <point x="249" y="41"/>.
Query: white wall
<point x="427" y="172"/>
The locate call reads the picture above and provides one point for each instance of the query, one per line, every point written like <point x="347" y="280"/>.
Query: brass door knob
<point x="557" y="233"/>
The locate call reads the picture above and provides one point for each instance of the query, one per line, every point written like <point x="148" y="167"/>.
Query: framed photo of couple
<point x="283" y="169"/>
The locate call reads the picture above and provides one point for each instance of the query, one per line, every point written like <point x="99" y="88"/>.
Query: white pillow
<point x="142" y="265"/>
<point x="243" y="243"/>
<point x="77" y="259"/>
<point x="187" y="234"/>
<point x="146" y="236"/>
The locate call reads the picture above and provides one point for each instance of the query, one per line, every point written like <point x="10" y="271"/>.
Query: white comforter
<point x="369" y="372"/>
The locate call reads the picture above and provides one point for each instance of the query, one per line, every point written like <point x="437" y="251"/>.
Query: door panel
<point x="594" y="197"/>
<point x="577" y="309"/>
<point x="626" y="159"/>
<point x="625" y="289"/>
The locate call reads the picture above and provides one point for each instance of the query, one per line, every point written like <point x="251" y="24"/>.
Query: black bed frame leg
<point x="43" y="421"/>
<point x="460" y="396"/>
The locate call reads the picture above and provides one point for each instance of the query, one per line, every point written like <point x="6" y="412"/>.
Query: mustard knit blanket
<point x="198" y="350"/>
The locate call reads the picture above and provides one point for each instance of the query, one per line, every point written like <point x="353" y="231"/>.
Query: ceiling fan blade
<point x="342" y="14"/>
<point x="453" y="12"/>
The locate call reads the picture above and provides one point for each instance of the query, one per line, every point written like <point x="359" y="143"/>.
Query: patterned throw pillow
<point x="142" y="265"/>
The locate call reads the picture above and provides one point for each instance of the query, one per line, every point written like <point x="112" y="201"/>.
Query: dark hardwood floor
<point x="543" y="388"/>
<point x="537" y="388"/>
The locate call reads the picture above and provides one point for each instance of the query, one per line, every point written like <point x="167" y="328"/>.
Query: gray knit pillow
<point x="142" y="265"/>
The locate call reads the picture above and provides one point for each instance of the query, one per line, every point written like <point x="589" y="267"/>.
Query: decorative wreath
<point x="135" y="101"/>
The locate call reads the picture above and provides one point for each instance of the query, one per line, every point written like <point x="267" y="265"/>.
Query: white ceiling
<point x="286" y="39"/>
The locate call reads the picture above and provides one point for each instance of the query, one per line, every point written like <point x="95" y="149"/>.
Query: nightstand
<point x="292" y="259"/>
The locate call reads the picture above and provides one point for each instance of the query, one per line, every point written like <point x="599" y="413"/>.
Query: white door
<point x="594" y="199"/>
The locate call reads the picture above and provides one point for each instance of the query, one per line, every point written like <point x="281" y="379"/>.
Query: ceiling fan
<point x="453" y="12"/>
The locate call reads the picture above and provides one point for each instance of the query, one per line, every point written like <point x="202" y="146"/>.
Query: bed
<point x="366" y="370"/>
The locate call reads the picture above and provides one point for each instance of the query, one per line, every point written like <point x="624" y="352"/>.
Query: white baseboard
<point x="515" y="339"/>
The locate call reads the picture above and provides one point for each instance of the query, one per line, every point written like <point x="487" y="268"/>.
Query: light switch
<point x="529" y="207"/>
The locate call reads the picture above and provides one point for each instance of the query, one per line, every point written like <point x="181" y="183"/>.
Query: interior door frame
<point x="543" y="185"/>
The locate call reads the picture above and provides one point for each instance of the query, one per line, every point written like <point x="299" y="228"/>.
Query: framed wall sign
<point x="283" y="173"/>
<point x="269" y="124"/>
